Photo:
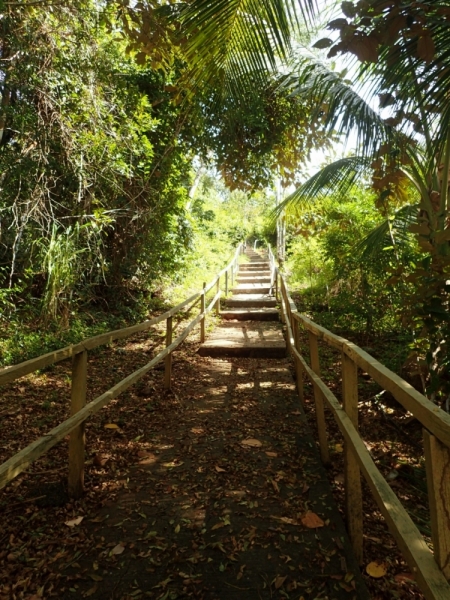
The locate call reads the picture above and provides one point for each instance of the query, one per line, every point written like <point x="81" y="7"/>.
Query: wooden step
<point x="254" y="275"/>
<point x="251" y="339"/>
<point x="251" y="314"/>
<point x="251" y="288"/>
<point x="256" y="266"/>
<point x="250" y="300"/>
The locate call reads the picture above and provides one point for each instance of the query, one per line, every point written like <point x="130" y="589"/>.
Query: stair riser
<point x="252" y="290"/>
<point x="255" y="267"/>
<point x="249" y="316"/>
<point x="249" y="304"/>
<point x="217" y="351"/>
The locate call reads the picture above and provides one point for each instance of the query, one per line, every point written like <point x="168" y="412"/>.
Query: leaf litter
<point x="176" y="505"/>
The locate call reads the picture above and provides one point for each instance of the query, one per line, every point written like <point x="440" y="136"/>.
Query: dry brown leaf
<point x="74" y="522"/>
<point x="339" y="448"/>
<point x="220" y="470"/>
<point x="100" y="460"/>
<point x="111" y="426"/>
<point x="401" y="577"/>
<point x="117" y="549"/>
<point x="217" y="526"/>
<point x="271" y="454"/>
<point x="286" y="520"/>
<point x="279" y="581"/>
<point x="252" y="443"/>
<point x="91" y="591"/>
<point x="312" y="521"/>
<point x="376" y="569"/>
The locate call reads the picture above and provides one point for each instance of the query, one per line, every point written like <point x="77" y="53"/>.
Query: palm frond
<point x="391" y="231"/>
<point x="341" y="107"/>
<point x="336" y="178"/>
<point x="226" y="39"/>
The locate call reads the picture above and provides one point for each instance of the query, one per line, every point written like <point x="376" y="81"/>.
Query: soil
<point x="177" y="506"/>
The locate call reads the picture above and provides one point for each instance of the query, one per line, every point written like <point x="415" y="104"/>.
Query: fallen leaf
<point x="177" y="528"/>
<point x="286" y="520"/>
<point x="111" y="426"/>
<point x="279" y="581"/>
<point x="271" y="454"/>
<point x="91" y="591"/>
<point x="252" y="443"/>
<point x="74" y="522"/>
<point x="100" y="460"/>
<point x="400" y="577"/>
<point x="217" y="526"/>
<point x="117" y="549"/>
<point x="183" y="575"/>
<point x="311" y="520"/>
<point x="376" y="569"/>
<point x="339" y="448"/>
<point x="220" y="470"/>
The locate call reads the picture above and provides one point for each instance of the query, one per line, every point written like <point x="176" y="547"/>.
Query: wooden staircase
<point x="250" y="320"/>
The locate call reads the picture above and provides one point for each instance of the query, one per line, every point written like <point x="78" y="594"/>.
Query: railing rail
<point x="80" y="411"/>
<point x="431" y="571"/>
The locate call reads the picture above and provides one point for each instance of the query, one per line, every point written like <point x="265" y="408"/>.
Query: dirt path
<point x="206" y="515"/>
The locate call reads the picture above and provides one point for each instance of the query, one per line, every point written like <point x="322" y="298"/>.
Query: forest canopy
<point x="113" y="112"/>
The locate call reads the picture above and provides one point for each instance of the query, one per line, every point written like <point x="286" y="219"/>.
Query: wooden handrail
<point x="80" y="411"/>
<point x="431" y="571"/>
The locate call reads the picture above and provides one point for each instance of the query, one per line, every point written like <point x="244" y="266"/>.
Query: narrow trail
<point x="231" y="501"/>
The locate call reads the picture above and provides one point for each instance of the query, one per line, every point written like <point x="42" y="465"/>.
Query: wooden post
<point x="226" y="283"/>
<point x="203" y="321"/>
<point x="298" y="366"/>
<point x="218" y="299"/>
<point x="437" y="462"/>
<point x="168" y="359"/>
<point x="232" y="274"/>
<point x="352" y="475"/>
<point x="77" y="437"/>
<point x="318" y="399"/>
<point x="276" y="285"/>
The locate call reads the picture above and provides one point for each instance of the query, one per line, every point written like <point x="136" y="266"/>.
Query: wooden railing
<point x="431" y="571"/>
<point x="80" y="411"/>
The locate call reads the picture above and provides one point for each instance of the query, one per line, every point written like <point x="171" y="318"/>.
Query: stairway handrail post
<point x="202" y="312"/>
<point x="77" y="440"/>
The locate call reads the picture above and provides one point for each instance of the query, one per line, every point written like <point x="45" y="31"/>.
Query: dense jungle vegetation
<point x="140" y="141"/>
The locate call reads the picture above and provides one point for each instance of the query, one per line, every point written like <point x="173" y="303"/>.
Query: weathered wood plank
<point x="20" y="461"/>
<point x="320" y="414"/>
<point x="352" y="476"/>
<point x="168" y="359"/>
<point x="77" y="436"/>
<point x="431" y="416"/>
<point x="8" y="374"/>
<point x="437" y="462"/>
<point x="419" y="557"/>
<point x="203" y="321"/>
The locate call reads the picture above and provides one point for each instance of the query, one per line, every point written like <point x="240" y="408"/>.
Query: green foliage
<point x="334" y="277"/>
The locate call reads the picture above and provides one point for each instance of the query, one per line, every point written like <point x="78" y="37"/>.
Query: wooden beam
<point x="203" y="321"/>
<point x="437" y="462"/>
<point x="14" y="372"/>
<point x="416" y="552"/>
<point x="77" y="437"/>
<point x="318" y="399"/>
<point x="21" y="461"/>
<point x="218" y="296"/>
<point x="168" y="359"/>
<point x="431" y="416"/>
<point x="352" y="475"/>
